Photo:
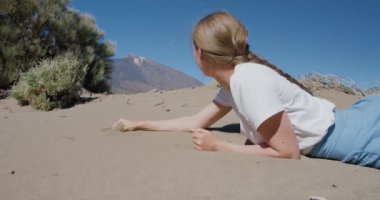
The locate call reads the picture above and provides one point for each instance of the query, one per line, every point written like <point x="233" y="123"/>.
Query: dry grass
<point x="315" y="81"/>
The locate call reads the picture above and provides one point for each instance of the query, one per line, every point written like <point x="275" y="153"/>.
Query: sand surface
<point x="72" y="154"/>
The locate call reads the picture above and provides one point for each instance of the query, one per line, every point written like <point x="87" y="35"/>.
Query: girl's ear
<point x="198" y="53"/>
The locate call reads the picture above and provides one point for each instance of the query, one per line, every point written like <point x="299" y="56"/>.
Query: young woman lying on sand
<point x="276" y="113"/>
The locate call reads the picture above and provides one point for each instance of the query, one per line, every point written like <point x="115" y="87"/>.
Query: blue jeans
<point x="355" y="136"/>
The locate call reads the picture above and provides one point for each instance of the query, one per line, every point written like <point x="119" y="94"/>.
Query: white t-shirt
<point x="258" y="92"/>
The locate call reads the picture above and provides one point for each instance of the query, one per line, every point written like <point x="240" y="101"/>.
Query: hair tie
<point x="247" y="49"/>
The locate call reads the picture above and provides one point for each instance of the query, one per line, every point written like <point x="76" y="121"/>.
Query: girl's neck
<point x="223" y="77"/>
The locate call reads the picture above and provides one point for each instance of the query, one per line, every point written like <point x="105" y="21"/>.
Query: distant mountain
<point x="133" y="74"/>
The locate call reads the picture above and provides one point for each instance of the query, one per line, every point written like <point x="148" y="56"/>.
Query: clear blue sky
<point x="340" y="37"/>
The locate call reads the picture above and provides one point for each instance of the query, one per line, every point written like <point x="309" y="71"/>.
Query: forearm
<point x="177" y="124"/>
<point x="203" y="119"/>
<point x="252" y="150"/>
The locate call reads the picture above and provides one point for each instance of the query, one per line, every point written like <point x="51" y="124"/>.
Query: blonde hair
<point x="224" y="40"/>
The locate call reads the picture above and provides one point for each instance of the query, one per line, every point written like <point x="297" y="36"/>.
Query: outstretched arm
<point x="203" y="119"/>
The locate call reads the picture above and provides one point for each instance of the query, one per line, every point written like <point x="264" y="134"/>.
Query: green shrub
<point x="33" y="30"/>
<point x="52" y="83"/>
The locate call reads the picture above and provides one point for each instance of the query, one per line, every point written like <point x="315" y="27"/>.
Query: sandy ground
<point x="71" y="154"/>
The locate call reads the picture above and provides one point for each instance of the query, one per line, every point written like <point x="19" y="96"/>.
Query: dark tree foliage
<point x="34" y="30"/>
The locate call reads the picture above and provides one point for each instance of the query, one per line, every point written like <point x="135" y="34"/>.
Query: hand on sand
<point x="124" y="125"/>
<point x="204" y="140"/>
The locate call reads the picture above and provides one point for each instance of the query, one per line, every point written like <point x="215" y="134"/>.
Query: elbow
<point x="292" y="155"/>
<point x="296" y="156"/>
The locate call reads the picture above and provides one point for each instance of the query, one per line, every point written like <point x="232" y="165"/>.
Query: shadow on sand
<point x="230" y="128"/>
